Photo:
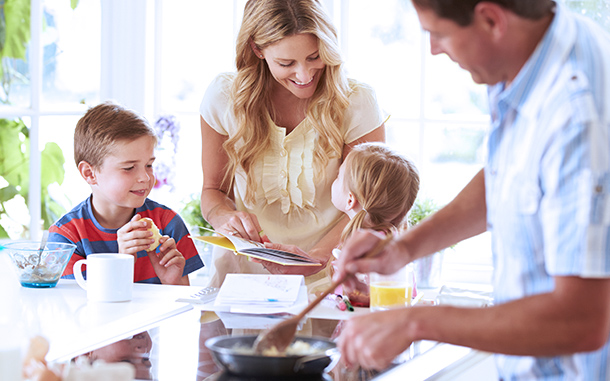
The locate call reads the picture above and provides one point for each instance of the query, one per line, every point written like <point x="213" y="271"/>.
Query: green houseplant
<point x="427" y="269"/>
<point x="14" y="170"/>
<point x="421" y="209"/>
<point x="193" y="218"/>
<point x="14" y="134"/>
<point x="191" y="212"/>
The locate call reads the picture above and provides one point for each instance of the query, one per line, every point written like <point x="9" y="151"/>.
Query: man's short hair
<point x="102" y="127"/>
<point x="461" y="11"/>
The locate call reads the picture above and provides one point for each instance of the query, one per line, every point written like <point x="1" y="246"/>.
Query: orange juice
<point x="390" y="294"/>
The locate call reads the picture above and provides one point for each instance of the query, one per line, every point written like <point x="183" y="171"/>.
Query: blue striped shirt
<point x="80" y="227"/>
<point x="547" y="180"/>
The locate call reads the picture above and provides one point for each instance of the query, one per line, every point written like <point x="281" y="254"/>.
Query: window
<point x="159" y="56"/>
<point x="51" y="66"/>
<point x="383" y="45"/>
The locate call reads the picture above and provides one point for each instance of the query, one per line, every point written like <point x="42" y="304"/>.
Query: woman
<point x="274" y="135"/>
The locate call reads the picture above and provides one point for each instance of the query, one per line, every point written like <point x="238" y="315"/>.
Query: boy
<point x="114" y="153"/>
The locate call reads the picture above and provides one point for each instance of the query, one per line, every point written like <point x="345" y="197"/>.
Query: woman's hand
<point x="275" y="268"/>
<point x="217" y="202"/>
<point x="244" y="225"/>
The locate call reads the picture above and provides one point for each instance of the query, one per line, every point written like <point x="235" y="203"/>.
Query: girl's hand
<point x="169" y="262"/>
<point x="134" y="236"/>
<point x="276" y="268"/>
<point x="351" y="261"/>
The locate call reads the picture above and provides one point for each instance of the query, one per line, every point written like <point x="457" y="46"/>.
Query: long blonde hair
<point x="266" y="22"/>
<point x="385" y="184"/>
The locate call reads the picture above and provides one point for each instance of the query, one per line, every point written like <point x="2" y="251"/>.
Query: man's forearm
<point x="573" y="318"/>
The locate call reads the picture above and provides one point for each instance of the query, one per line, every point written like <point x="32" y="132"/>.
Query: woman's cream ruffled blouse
<point x="292" y="205"/>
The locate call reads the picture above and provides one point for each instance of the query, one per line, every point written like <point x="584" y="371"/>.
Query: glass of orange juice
<point x="391" y="291"/>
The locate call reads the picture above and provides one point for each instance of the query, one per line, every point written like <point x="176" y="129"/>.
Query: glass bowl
<point x="39" y="269"/>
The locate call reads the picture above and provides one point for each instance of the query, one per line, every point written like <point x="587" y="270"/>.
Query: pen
<point x="348" y="304"/>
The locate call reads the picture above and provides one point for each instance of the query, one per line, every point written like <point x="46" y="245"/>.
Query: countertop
<point x="74" y="326"/>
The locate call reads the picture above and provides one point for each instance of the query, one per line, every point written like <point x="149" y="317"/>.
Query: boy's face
<point x="135" y="351"/>
<point x="126" y="177"/>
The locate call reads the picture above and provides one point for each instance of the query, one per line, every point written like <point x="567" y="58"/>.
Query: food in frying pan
<point x="298" y="348"/>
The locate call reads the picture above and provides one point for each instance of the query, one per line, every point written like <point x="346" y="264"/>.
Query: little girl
<point x="376" y="187"/>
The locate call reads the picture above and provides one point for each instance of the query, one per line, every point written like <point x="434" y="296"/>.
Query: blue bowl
<point x="37" y="269"/>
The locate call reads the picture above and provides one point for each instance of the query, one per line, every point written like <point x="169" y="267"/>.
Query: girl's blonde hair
<point x="385" y="184"/>
<point x="266" y="22"/>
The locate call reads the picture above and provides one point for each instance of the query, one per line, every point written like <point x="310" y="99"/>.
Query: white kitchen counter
<point x="74" y="325"/>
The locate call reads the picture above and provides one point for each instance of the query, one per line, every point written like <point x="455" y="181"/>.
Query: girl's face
<point x="339" y="192"/>
<point x="295" y="64"/>
<point x="126" y="177"/>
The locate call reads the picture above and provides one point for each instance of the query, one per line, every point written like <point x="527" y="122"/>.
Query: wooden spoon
<point x="282" y="334"/>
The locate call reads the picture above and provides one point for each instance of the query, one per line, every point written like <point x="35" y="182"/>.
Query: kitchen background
<point x="60" y="57"/>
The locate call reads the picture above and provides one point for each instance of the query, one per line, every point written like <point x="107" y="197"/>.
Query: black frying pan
<point x="231" y="360"/>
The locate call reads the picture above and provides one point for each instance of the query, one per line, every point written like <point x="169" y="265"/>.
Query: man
<point x="543" y="194"/>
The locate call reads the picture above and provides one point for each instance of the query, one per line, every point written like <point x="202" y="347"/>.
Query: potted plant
<point x="427" y="269"/>
<point x="199" y="226"/>
<point x="14" y="176"/>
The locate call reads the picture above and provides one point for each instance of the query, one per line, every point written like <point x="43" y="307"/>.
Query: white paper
<point x="274" y="308"/>
<point x="259" y="290"/>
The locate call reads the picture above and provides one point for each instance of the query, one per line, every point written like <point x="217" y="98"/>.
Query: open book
<point x="256" y="250"/>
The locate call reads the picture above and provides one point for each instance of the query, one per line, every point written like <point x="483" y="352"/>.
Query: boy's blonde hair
<point x="385" y="184"/>
<point x="102" y="127"/>
<point x="266" y="22"/>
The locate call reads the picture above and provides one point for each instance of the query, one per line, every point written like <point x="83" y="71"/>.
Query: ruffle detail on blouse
<point x="288" y="170"/>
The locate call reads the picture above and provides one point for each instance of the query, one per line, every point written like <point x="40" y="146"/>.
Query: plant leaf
<point x="17" y="18"/>
<point x="50" y="210"/>
<point x="51" y="165"/>
<point x="8" y="193"/>
<point x="3" y="233"/>
<point x="14" y="152"/>
<point x="73" y="4"/>
<point x="2" y="26"/>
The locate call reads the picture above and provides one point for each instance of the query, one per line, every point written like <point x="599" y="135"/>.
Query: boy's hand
<point x="169" y="262"/>
<point x="134" y="236"/>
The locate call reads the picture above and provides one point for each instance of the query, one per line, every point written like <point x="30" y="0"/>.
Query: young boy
<point x="114" y="153"/>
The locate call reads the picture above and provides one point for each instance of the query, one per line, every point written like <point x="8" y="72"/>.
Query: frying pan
<point x="228" y="355"/>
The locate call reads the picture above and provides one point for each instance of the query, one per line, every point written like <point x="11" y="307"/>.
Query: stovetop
<point x="225" y="376"/>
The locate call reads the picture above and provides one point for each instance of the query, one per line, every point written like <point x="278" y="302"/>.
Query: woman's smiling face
<point x="295" y="64"/>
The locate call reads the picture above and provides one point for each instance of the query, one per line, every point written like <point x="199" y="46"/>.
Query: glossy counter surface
<point x="74" y="325"/>
<point x="177" y="331"/>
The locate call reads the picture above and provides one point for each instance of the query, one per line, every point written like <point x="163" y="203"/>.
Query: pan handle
<point x="332" y="353"/>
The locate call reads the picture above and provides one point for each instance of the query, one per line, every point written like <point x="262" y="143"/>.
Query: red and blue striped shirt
<point x="80" y="227"/>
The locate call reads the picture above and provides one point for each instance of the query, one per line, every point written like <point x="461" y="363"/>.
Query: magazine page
<point x="256" y="250"/>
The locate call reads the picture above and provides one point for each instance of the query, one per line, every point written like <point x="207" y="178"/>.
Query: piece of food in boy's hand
<point x="37" y="350"/>
<point x="35" y="367"/>
<point x="156" y="235"/>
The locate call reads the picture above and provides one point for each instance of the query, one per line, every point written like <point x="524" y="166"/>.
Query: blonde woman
<point x="275" y="132"/>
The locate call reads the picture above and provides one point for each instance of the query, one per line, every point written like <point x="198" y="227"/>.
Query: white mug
<point x="109" y="277"/>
